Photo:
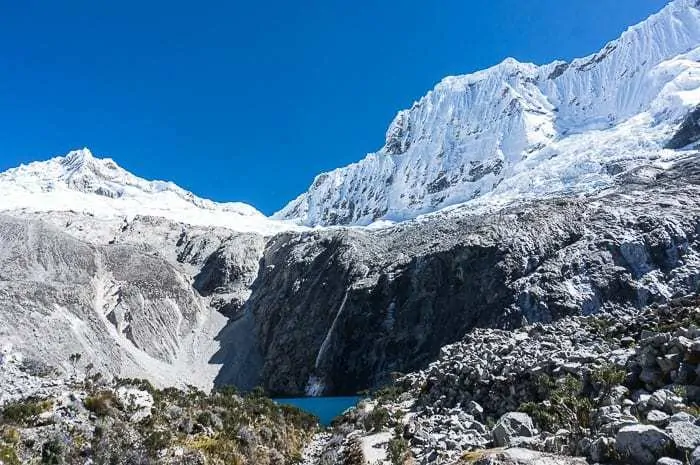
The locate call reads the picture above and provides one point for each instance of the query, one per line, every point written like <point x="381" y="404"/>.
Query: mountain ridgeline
<point x="525" y="194"/>
<point x="518" y="130"/>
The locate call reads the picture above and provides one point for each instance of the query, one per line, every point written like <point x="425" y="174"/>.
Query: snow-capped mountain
<point x="518" y="130"/>
<point x="83" y="183"/>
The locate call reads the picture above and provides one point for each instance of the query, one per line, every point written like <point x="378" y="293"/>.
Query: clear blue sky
<point x="248" y="101"/>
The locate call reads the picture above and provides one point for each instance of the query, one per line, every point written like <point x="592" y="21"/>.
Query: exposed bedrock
<point x="338" y="310"/>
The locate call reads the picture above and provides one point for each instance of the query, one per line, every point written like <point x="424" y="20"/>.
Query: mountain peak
<point x="517" y="130"/>
<point x="76" y="159"/>
<point x="80" y="181"/>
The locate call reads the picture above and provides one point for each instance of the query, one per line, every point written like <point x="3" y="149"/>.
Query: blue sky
<point x="248" y="101"/>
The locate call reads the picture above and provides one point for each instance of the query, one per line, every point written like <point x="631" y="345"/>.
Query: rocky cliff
<point x="145" y="297"/>
<point x="350" y="306"/>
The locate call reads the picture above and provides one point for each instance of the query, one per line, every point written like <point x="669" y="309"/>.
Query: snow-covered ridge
<point x="519" y="130"/>
<point x="81" y="182"/>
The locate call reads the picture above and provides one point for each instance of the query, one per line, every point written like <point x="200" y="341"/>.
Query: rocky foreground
<point x="82" y="419"/>
<point x="621" y="388"/>
<point x="613" y="388"/>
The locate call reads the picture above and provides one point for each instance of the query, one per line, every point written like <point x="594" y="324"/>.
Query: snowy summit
<point x="83" y="183"/>
<point x="518" y="131"/>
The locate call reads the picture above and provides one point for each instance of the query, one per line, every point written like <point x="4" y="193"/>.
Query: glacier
<point x="519" y="131"/>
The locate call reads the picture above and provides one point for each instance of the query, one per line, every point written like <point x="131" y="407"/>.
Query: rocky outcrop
<point x="688" y="132"/>
<point x="351" y="306"/>
<point x="526" y="457"/>
<point x="228" y="273"/>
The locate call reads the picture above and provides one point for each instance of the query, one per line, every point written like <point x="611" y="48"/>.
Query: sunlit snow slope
<point x="518" y="130"/>
<point x="83" y="183"/>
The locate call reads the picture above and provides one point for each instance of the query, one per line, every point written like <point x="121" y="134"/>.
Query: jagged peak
<point x="83" y="162"/>
<point x="77" y="158"/>
<point x="483" y="134"/>
<point x="508" y="67"/>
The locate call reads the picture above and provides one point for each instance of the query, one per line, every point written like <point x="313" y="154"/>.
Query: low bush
<point x="22" y="412"/>
<point x="102" y="403"/>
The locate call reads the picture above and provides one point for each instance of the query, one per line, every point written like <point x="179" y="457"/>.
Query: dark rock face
<point x="345" y="308"/>
<point x="688" y="133"/>
<point x="228" y="273"/>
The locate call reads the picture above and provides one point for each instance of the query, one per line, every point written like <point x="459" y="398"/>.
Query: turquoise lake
<point x="325" y="408"/>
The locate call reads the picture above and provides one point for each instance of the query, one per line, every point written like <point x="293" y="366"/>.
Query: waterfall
<point x="324" y="345"/>
<point x="316" y="385"/>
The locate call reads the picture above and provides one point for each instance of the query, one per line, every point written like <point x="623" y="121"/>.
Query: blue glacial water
<point x="325" y="408"/>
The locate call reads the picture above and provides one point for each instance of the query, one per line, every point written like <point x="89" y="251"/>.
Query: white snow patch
<point x="83" y="183"/>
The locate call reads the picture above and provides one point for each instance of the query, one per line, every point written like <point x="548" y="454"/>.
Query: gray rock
<point x="686" y="436"/>
<point x="657" y="418"/>
<point x="515" y="456"/>
<point x="602" y="449"/>
<point x="512" y="425"/>
<point x="682" y="417"/>
<point x="668" y="461"/>
<point x="695" y="457"/>
<point x="660" y="399"/>
<point x="644" y="444"/>
<point x="474" y="409"/>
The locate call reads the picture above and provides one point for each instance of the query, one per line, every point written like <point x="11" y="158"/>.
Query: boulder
<point x="695" y="457"/>
<point x="683" y="417"/>
<point x="511" y="425"/>
<point x="664" y="400"/>
<point x="685" y="435"/>
<point x="643" y="444"/>
<point x="668" y="461"/>
<point x="516" y="456"/>
<point x="602" y="450"/>
<point x="657" y="418"/>
<point x="474" y="409"/>
<point x="652" y="378"/>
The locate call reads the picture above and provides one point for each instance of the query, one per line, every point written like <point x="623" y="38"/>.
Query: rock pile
<point x="622" y="388"/>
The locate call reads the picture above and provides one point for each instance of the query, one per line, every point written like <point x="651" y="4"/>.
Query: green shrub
<point x="398" y="450"/>
<point x="353" y="454"/>
<point x="566" y="407"/>
<point x="156" y="441"/>
<point x="142" y="384"/>
<point x="607" y="377"/>
<point x="389" y="393"/>
<point x="102" y="403"/>
<point x="8" y="456"/>
<point x="376" y="419"/>
<point x="52" y="452"/>
<point x="23" y="411"/>
<point x="11" y="435"/>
